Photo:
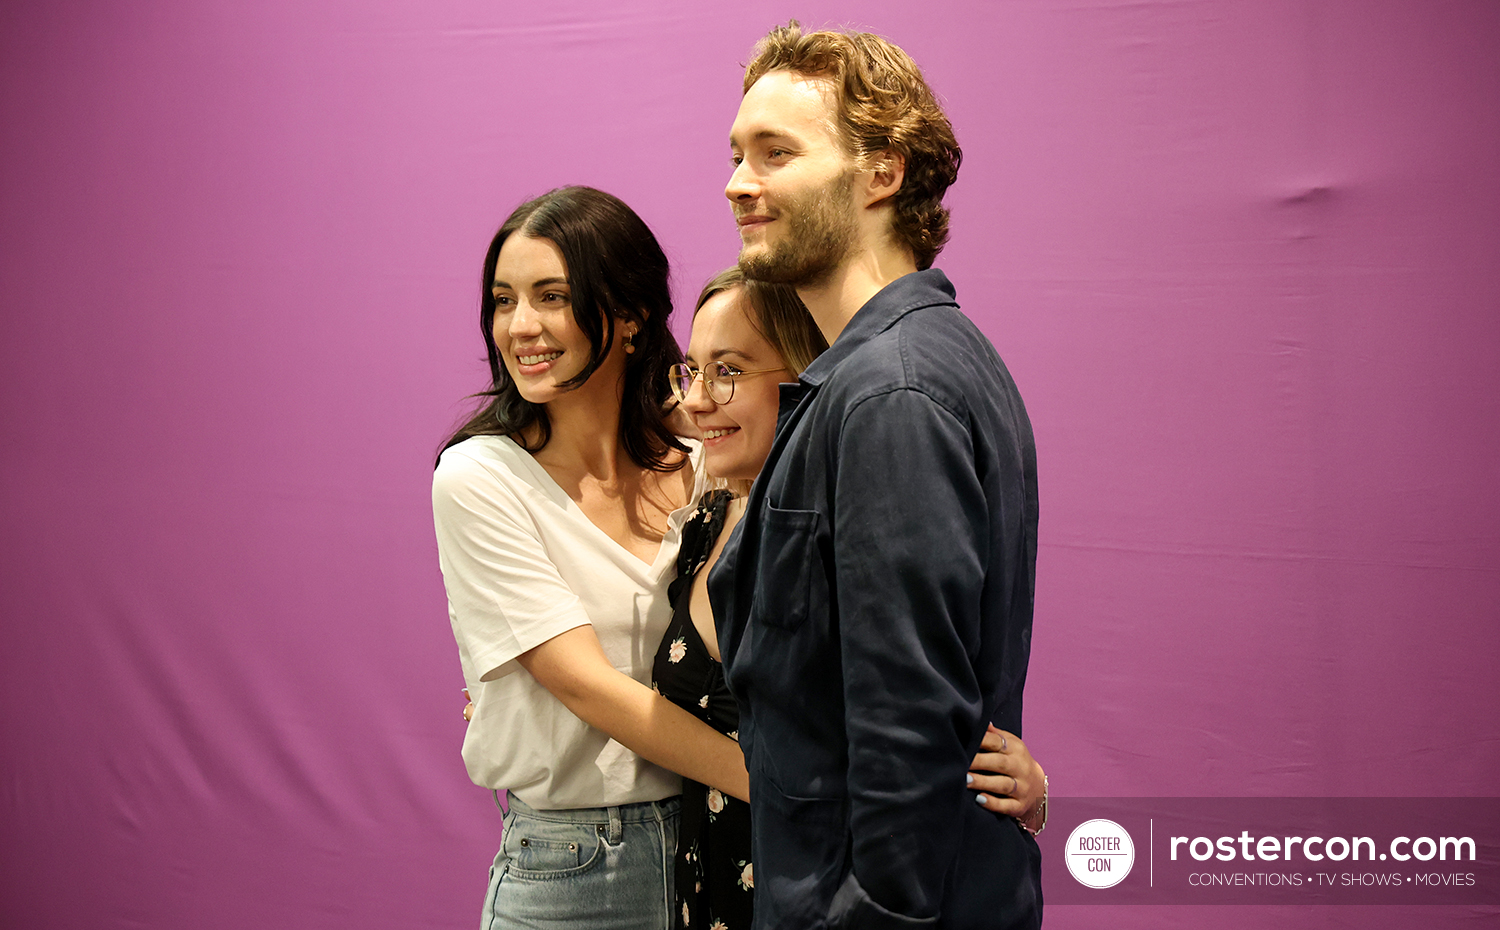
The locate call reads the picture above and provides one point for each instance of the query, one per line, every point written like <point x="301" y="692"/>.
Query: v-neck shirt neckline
<point x="656" y="567"/>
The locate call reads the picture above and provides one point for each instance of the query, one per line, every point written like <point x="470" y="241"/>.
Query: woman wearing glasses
<point x="559" y="508"/>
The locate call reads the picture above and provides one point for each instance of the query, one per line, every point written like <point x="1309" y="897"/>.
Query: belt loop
<point x="616" y="831"/>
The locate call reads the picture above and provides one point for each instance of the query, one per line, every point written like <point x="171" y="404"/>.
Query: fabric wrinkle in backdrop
<point x="1240" y="256"/>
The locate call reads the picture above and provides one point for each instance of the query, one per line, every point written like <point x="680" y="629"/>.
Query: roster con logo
<point x="1100" y="853"/>
<point x="1297" y="850"/>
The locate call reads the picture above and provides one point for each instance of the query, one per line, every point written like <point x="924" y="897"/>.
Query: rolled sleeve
<point x="910" y="541"/>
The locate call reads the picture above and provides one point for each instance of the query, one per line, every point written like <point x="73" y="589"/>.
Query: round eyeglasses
<point x="718" y="380"/>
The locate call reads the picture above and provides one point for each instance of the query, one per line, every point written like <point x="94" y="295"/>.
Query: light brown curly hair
<point x="883" y="103"/>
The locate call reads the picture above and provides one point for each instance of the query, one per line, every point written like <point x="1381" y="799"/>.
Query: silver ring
<point x="1003" y="743"/>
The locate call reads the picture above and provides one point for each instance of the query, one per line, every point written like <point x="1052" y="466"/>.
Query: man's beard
<point x="820" y="233"/>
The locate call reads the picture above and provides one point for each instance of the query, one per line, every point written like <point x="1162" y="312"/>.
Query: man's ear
<point x="887" y="171"/>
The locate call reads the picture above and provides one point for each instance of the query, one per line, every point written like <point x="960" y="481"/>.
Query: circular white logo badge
<point x="1100" y="853"/>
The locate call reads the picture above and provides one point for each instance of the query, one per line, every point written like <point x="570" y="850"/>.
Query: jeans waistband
<point x="639" y="812"/>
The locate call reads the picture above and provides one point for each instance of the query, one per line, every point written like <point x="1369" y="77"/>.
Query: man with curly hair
<point x="875" y="606"/>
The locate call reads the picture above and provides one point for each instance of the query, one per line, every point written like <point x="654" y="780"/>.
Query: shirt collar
<point x="907" y="293"/>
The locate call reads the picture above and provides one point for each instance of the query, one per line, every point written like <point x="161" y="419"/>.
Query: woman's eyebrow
<point x="718" y="355"/>
<point x="544" y="282"/>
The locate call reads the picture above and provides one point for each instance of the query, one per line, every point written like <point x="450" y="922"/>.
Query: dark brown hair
<point x="615" y="268"/>
<point x="883" y="103"/>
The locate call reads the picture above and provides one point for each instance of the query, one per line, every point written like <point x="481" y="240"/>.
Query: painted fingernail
<point x="968" y="779"/>
<point x="980" y="799"/>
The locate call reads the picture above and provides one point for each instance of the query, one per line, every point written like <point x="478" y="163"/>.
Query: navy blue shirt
<point x="874" y="613"/>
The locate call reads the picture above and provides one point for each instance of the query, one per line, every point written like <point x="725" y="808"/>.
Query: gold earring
<point x="629" y="348"/>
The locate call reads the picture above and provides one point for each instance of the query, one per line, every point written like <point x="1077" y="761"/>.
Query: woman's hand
<point x="1009" y="780"/>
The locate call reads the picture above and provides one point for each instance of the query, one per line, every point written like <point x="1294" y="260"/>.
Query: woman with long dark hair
<point x="558" y="508"/>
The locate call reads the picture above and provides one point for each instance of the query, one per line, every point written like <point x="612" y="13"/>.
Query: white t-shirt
<point x="521" y="564"/>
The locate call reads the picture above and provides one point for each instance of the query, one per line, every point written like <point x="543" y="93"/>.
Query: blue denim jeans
<point x="603" y="868"/>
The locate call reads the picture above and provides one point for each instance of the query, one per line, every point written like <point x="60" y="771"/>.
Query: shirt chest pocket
<point x="791" y="585"/>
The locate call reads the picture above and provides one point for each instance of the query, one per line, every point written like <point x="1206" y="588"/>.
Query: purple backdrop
<point x="1242" y="257"/>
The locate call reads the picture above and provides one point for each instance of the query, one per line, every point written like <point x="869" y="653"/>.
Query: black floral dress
<point x="713" y="872"/>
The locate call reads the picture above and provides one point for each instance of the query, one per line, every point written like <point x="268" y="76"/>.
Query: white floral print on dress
<point x="715" y="800"/>
<point x="747" y="875"/>
<point x="678" y="650"/>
